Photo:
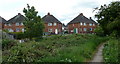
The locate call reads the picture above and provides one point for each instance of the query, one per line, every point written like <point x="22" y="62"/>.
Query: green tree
<point x="99" y="31"/>
<point x="108" y="16"/>
<point x="33" y="24"/>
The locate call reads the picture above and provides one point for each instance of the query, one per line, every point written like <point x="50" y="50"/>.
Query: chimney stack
<point x="48" y="13"/>
<point x="90" y="18"/>
<point x="81" y="14"/>
<point x="19" y="13"/>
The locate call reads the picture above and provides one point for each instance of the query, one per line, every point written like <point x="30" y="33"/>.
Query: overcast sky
<point x="63" y="10"/>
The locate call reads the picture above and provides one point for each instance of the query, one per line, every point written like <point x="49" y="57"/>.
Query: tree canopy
<point x="108" y="17"/>
<point x="33" y="23"/>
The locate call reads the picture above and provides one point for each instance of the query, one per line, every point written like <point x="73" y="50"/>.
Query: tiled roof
<point x="17" y="18"/>
<point x="50" y="18"/>
<point x="2" y="20"/>
<point x="81" y="18"/>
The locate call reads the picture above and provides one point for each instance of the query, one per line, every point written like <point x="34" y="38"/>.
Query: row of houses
<point x="79" y="24"/>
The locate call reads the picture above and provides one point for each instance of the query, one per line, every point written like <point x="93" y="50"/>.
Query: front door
<point x="56" y="31"/>
<point x="75" y="30"/>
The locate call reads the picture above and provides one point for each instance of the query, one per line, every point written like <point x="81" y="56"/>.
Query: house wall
<point x="79" y="27"/>
<point x="58" y="26"/>
<point x="13" y="27"/>
<point x="0" y="25"/>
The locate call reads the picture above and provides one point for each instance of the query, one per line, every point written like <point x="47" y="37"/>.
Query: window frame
<point x="17" y="29"/>
<point x="81" y="23"/>
<point x="90" y="24"/>
<point x="17" y="24"/>
<point x="50" y="30"/>
<point x="49" y="24"/>
<point x="84" y="24"/>
<point x="55" y="24"/>
<point x="85" y="29"/>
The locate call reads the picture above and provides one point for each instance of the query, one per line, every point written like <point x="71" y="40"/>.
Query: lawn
<point x="57" y="48"/>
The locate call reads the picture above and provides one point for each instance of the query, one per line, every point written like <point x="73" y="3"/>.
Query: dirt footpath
<point x="98" y="55"/>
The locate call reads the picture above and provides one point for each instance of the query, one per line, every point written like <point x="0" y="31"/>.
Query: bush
<point x="18" y="35"/>
<point x="7" y="44"/>
<point x="110" y="51"/>
<point x="99" y="31"/>
<point x="56" y="48"/>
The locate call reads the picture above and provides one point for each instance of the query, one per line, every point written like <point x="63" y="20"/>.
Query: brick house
<point x="52" y="25"/>
<point x="81" y="24"/>
<point x="2" y="21"/>
<point x="15" y="24"/>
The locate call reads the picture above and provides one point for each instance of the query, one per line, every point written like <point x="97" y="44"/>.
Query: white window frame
<point x="90" y="24"/>
<point x="5" y="24"/>
<point x="91" y="29"/>
<point x="93" y="24"/>
<point x="84" y="24"/>
<point x="17" y="29"/>
<point x="17" y="24"/>
<point x="10" y="30"/>
<point x="81" y="23"/>
<point x="9" y="24"/>
<point x="49" y="30"/>
<point x="21" y="23"/>
<point x="73" y="24"/>
<point x="49" y="24"/>
<point x="55" y="24"/>
<point x="71" y="30"/>
<point x="23" y="29"/>
<point x="85" y="29"/>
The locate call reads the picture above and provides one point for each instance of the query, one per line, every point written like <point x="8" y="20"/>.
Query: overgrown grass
<point x="57" y="48"/>
<point x="111" y="51"/>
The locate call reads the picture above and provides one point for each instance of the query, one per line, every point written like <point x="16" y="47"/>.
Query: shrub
<point x="110" y="51"/>
<point x="56" y="48"/>
<point x="99" y="31"/>
<point x="7" y="44"/>
<point x="18" y="35"/>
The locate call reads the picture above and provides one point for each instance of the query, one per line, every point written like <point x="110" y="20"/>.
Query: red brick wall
<point x="58" y="26"/>
<point x="13" y="27"/>
<point x="77" y="25"/>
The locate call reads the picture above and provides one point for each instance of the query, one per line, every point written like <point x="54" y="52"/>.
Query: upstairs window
<point x="5" y="24"/>
<point x="17" y="24"/>
<point x="49" y="24"/>
<point x="55" y="24"/>
<point x="90" y="24"/>
<point x="9" y="25"/>
<point x="81" y="23"/>
<point x="21" y="23"/>
<point x="84" y="24"/>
